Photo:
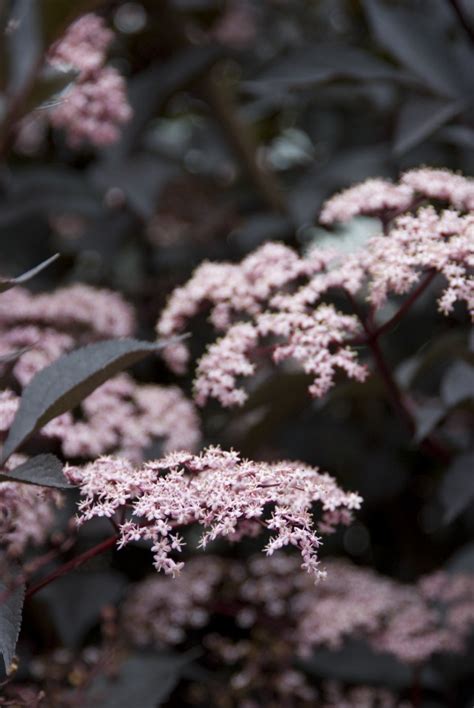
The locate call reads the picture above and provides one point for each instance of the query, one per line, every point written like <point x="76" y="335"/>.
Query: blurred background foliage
<point x="247" y="115"/>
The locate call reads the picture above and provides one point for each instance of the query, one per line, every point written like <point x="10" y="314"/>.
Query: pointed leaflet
<point x="427" y="417"/>
<point x="420" y="117"/>
<point x="458" y="383"/>
<point x="11" y="606"/>
<point x="144" y="680"/>
<point x="415" y="40"/>
<point x="43" y="470"/>
<point x="13" y="356"/>
<point x="7" y="283"/>
<point x="457" y="488"/>
<point x="75" y="602"/>
<point x="68" y="380"/>
<point x="313" y="65"/>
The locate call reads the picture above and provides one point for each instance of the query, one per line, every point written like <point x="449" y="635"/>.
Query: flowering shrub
<point x="266" y="287"/>
<point x="280" y="294"/>
<point x="163" y="468"/>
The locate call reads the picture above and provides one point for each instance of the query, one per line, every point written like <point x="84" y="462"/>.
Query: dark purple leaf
<point x="7" y="283"/>
<point x="427" y="417"/>
<point x="11" y="607"/>
<point x="24" y="44"/>
<point x="419" y="118"/>
<point x="357" y="662"/>
<point x="458" y="383"/>
<point x="320" y="64"/>
<point x="416" y="43"/>
<point x="43" y="470"/>
<point x="457" y="487"/>
<point x="76" y="600"/>
<point x="68" y="380"/>
<point x="144" y="680"/>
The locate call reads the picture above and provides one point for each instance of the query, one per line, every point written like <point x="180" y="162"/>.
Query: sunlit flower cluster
<point x="227" y="496"/>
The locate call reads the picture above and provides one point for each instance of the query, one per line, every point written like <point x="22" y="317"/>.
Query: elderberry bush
<point x="236" y="354"/>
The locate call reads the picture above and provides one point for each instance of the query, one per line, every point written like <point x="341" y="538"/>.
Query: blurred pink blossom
<point x="95" y="105"/>
<point x="27" y="513"/>
<point x="371" y="198"/>
<point x="352" y="602"/>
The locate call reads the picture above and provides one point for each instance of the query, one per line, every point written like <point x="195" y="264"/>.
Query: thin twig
<point x="406" y="305"/>
<point x="73" y="564"/>
<point x="34" y="566"/>
<point x="400" y="402"/>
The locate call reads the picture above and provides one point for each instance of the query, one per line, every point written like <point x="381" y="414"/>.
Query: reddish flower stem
<point x="400" y="402"/>
<point x="34" y="566"/>
<point x="416" y="693"/>
<point x="376" y="332"/>
<point x="406" y="305"/>
<point x="72" y="564"/>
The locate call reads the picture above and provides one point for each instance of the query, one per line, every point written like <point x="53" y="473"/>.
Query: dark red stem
<point x="73" y="564"/>
<point x="389" y="324"/>
<point x="416" y="687"/>
<point x="373" y="332"/>
<point x="400" y="403"/>
<point x="398" y="400"/>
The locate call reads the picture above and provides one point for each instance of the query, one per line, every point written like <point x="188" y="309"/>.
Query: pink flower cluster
<point x="228" y="496"/>
<point x="275" y="295"/>
<point x="27" y="513"/>
<point x="84" y="44"/>
<point x="442" y="185"/>
<point x="159" y="613"/>
<point x="411" y="622"/>
<point x="336" y="695"/>
<point x="95" y="106"/>
<point x="120" y="416"/>
<point x="51" y="324"/>
<point x="382" y="198"/>
<point x="102" y="312"/>
<point x="126" y="418"/>
<point x="373" y="197"/>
